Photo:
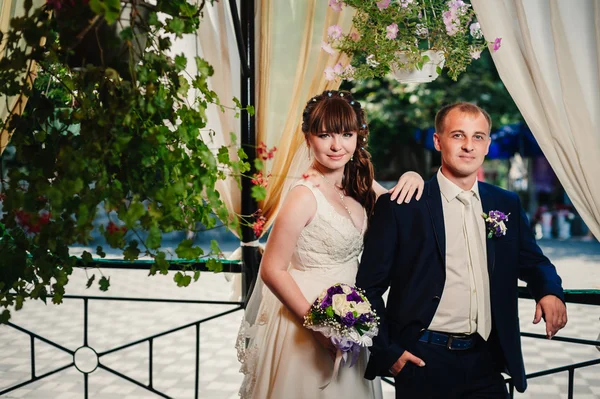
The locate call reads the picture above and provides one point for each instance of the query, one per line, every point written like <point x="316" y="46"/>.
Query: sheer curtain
<point x="550" y="63"/>
<point x="291" y="71"/>
<point x="16" y="104"/>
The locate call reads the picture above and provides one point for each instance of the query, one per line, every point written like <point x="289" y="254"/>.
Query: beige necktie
<point x="475" y="250"/>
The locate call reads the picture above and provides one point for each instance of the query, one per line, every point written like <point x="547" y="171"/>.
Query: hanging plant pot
<point x="424" y="75"/>
<point x="98" y="43"/>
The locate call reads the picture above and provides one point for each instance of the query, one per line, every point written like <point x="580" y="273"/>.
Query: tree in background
<point x="396" y="110"/>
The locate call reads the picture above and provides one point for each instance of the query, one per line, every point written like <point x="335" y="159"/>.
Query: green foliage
<point x="120" y="133"/>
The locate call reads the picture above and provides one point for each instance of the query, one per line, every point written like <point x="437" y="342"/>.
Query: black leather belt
<point x="455" y="342"/>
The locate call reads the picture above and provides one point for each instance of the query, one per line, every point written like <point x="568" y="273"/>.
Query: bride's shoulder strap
<point x="308" y="184"/>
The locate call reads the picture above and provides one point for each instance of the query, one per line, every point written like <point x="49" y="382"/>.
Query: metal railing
<point x="96" y="356"/>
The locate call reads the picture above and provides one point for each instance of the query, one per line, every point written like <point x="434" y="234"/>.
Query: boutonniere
<point x="495" y="223"/>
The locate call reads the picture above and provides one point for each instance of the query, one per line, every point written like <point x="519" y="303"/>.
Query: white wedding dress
<point x="280" y="358"/>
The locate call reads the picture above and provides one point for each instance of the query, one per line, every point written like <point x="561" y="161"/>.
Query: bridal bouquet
<point x="343" y="314"/>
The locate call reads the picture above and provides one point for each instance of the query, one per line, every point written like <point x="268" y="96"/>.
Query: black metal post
<point x="250" y="255"/>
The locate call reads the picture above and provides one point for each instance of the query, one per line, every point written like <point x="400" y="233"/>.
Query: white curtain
<point x="549" y="62"/>
<point x="16" y="104"/>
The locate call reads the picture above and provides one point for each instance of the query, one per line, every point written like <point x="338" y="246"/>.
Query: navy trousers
<point x="451" y="374"/>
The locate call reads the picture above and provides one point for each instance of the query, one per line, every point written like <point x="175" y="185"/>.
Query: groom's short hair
<point x="468" y="108"/>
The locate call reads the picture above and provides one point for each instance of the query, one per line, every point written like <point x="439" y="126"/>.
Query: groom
<point x="451" y="323"/>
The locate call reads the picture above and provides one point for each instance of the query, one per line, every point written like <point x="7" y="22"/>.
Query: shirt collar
<point x="450" y="190"/>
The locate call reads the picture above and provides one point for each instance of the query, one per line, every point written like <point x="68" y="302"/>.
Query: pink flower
<point x="325" y="46"/>
<point x="355" y="36"/>
<point x="336" y="5"/>
<point x="349" y="73"/>
<point x="332" y="73"/>
<point x="475" y="54"/>
<point x="383" y="4"/>
<point x="475" y="30"/>
<point x="451" y="21"/>
<point x="497" y="43"/>
<point x="405" y="3"/>
<point x="334" y="31"/>
<point x="392" y="31"/>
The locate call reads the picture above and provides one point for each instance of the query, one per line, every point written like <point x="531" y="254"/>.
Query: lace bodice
<point x="330" y="240"/>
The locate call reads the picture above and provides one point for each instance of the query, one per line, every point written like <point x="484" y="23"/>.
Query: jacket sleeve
<point x="535" y="268"/>
<point x="374" y="276"/>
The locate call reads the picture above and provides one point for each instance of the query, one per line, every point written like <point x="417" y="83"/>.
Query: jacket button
<point x="436" y="298"/>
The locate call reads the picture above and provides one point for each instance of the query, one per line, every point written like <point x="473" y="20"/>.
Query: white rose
<point x="346" y="290"/>
<point x="362" y="307"/>
<point x="340" y="305"/>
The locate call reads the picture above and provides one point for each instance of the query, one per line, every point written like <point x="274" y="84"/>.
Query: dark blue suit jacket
<point x="405" y="249"/>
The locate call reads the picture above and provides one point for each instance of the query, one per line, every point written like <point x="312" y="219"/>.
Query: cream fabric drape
<point x="549" y="62"/>
<point x="291" y="67"/>
<point x="16" y="104"/>
<point x="215" y="42"/>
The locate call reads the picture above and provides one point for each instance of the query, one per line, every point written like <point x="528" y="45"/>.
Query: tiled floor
<point x="114" y="323"/>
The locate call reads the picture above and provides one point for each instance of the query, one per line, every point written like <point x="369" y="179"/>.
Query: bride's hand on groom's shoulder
<point x="402" y="360"/>
<point x="409" y="184"/>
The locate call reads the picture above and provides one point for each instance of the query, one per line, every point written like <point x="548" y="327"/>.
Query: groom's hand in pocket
<point x="402" y="360"/>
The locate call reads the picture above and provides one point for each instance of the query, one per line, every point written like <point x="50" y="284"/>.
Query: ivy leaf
<point x="223" y="155"/>
<point x="176" y="25"/>
<point x="214" y="265"/>
<point x="182" y="280"/>
<point x="90" y="281"/>
<point x="204" y="68"/>
<point x="180" y="62"/>
<point x="161" y="263"/>
<point x="258" y="164"/>
<point x="241" y="154"/>
<point x="154" y="238"/>
<point x="19" y="302"/>
<point x="133" y="214"/>
<point x="104" y="283"/>
<point x="186" y="250"/>
<point x="4" y="316"/>
<point x="132" y="252"/>
<point x="126" y="34"/>
<point x="196" y="275"/>
<point x="259" y="193"/>
<point x="214" y="247"/>
<point x="86" y="257"/>
<point x="109" y="8"/>
<point x="100" y="252"/>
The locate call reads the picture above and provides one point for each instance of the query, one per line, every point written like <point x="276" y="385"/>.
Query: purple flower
<point x="336" y="289"/>
<point x="495" y="223"/>
<point x="326" y="302"/>
<point x="349" y="320"/>
<point x="354" y="297"/>
<point x="497" y="43"/>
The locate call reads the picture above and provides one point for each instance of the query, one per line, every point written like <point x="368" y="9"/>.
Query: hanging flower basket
<point x="427" y="73"/>
<point x="413" y="40"/>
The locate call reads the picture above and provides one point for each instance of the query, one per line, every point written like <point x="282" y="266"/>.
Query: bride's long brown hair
<point x="337" y="112"/>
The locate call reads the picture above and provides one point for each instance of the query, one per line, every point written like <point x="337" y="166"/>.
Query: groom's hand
<point x="554" y="311"/>
<point x="402" y="360"/>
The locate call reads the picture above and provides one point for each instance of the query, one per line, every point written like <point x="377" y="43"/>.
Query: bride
<point x="316" y="241"/>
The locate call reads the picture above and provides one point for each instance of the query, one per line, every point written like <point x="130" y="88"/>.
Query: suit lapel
<point x="487" y="202"/>
<point x="434" y="204"/>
